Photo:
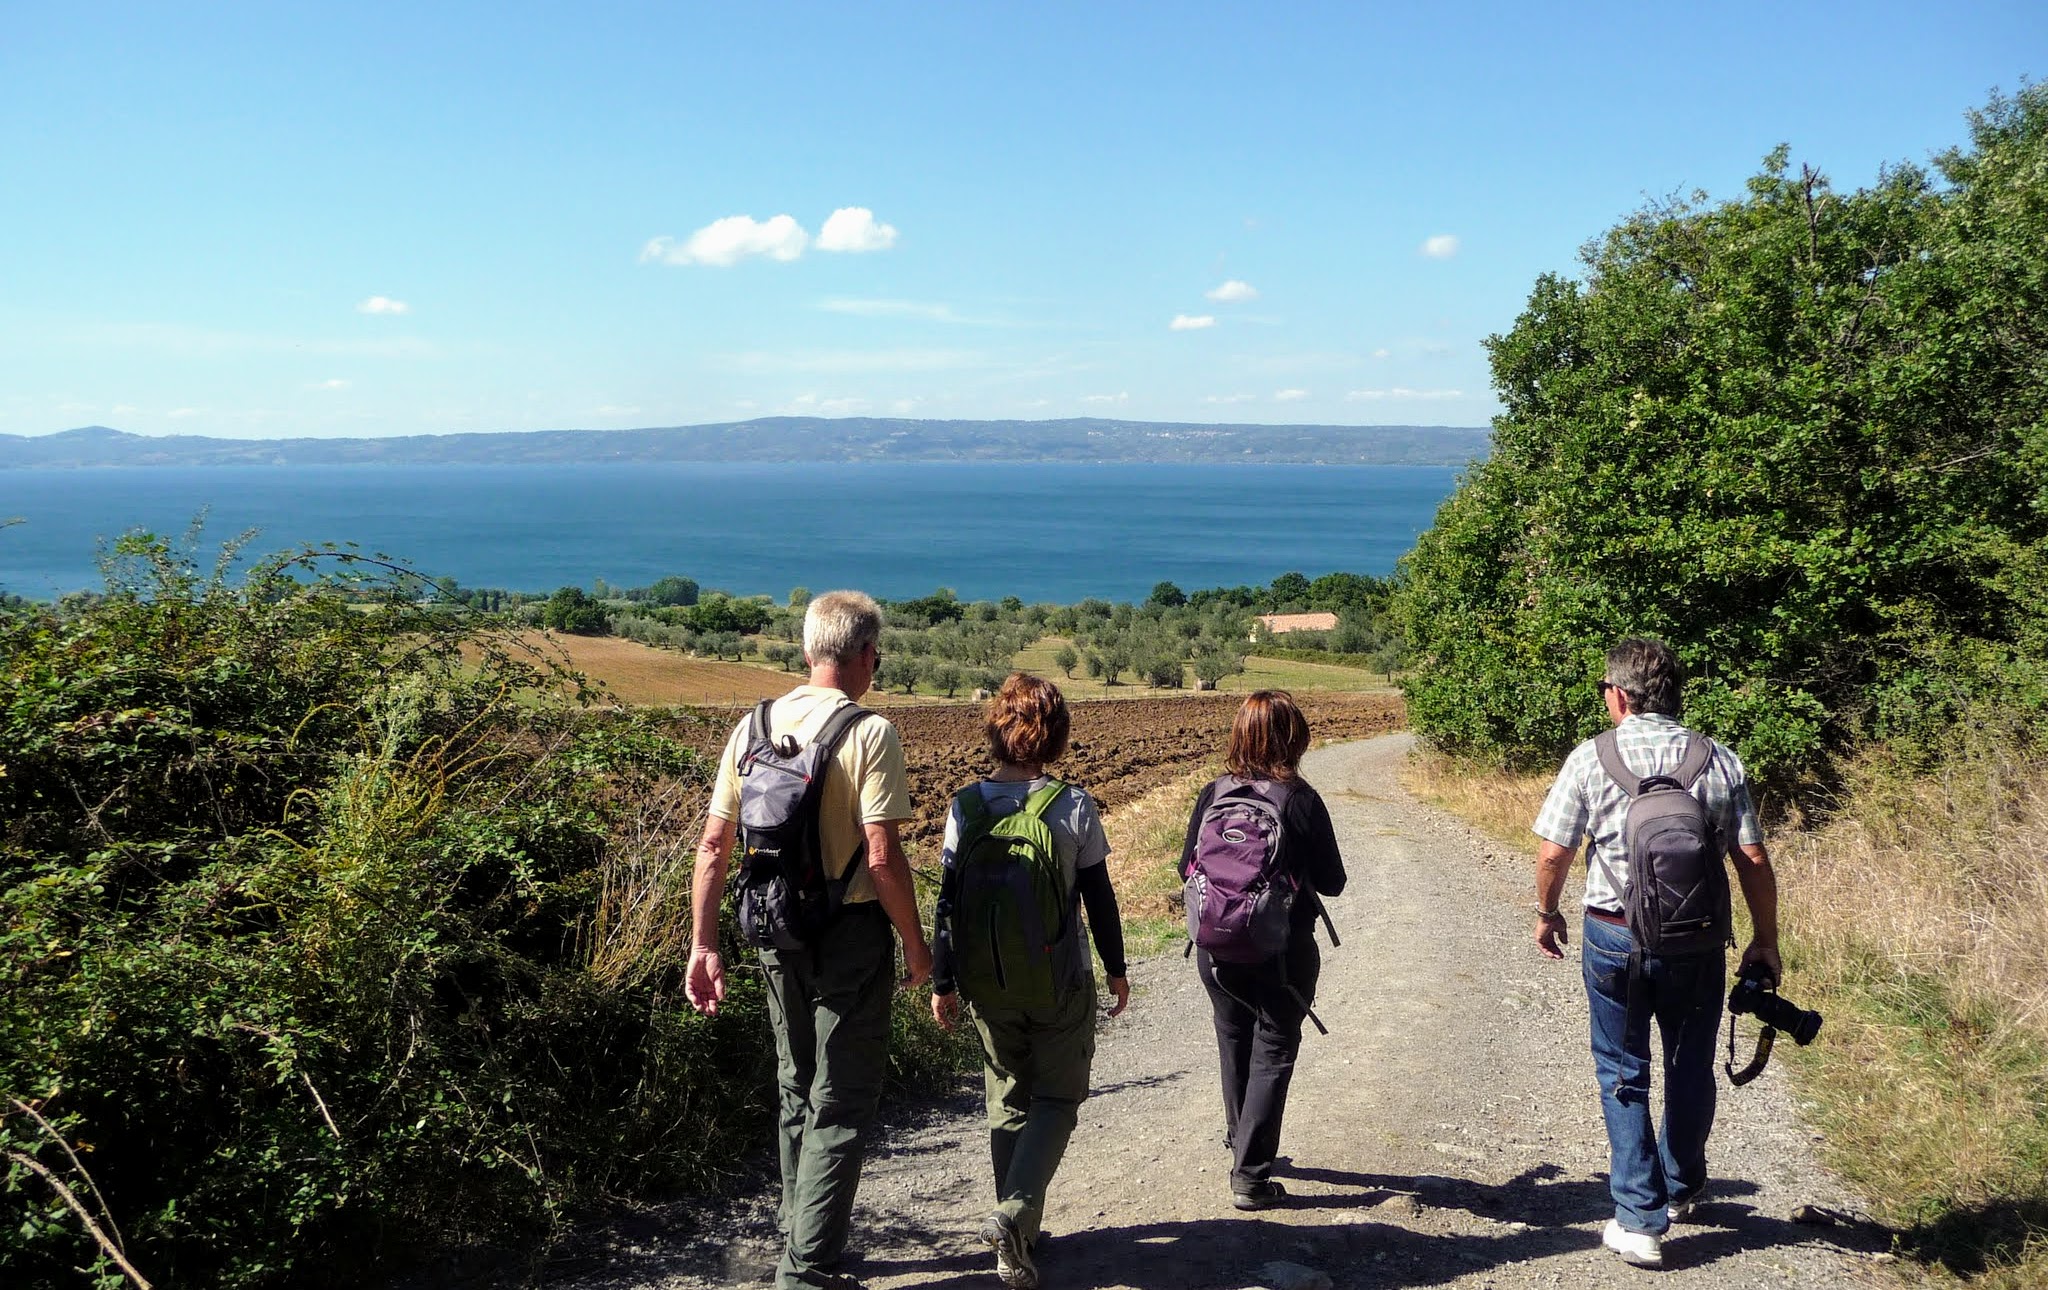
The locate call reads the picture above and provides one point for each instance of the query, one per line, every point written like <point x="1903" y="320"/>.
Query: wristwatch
<point x="1548" y="914"/>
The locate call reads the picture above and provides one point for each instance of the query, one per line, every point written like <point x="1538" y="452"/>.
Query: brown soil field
<point x="642" y="674"/>
<point x="1121" y="748"/>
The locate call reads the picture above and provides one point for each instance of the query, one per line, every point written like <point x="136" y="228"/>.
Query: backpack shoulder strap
<point x="1041" y="801"/>
<point x="757" y="734"/>
<point x="1699" y="754"/>
<point x="1608" y="745"/>
<point x="834" y="731"/>
<point x="973" y="807"/>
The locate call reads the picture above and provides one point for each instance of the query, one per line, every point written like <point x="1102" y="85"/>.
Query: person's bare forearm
<point x="1760" y="892"/>
<point x="707" y="888"/>
<point x="1553" y="864"/>
<point x="893" y="886"/>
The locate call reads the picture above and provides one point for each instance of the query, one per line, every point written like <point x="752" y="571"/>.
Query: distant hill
<point x="783" y="439"/>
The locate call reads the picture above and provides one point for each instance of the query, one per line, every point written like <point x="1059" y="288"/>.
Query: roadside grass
<point x="1145" y="838"/>
<point x="1916" y="920"/>
<point x="1501" y="804"/>
<point x="1921" y="922"/>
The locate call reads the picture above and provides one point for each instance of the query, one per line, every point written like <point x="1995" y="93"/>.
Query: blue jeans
<point x="1684" y="994"/>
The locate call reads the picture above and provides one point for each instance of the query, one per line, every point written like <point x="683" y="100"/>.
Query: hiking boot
<point x="1260" y="1195"/>
<point x="1637" y="1249"/>
<point x="1014" y="1267"/>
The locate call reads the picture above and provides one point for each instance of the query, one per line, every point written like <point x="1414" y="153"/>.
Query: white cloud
<point x="725" y="242"/>
<point x="1233" y="291"/>
<point x="182" y="413"/>
<point x="1382" y="353"/>
<point x="1231" y="398"/>
<point x="383" y="305"/>
<point x="1289" y="396"/>
<point x="1122" y="396"/>
<point x="1441" y="247"/>
<point x="853" y="361"/>
<point x="889" y="308"/>
<point x="332" y="383"/>
<point x="1401" y="392"/>
<point x="854" y="228"/>
<point x="122" y="409"/>
<point x="1186" y="322"/>
<point x="814" y="404"/>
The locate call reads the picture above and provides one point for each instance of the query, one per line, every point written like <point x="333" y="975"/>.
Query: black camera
<point x="1756" y="993"/>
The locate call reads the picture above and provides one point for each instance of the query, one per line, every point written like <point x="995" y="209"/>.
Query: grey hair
<point x="1649" y="673"/>
<point x="839" y="625"/>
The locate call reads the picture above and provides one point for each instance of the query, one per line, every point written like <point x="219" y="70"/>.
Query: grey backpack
<point x="785" y="898"/>
<point x="1675" y="897"/>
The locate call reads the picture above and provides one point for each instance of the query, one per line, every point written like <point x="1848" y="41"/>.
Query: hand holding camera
<point x="1756" y="993"/>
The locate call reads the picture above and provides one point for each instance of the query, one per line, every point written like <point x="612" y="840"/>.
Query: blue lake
<point x="1042" y="532"/>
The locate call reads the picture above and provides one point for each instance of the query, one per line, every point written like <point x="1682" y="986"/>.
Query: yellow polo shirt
<point x="866" y="783"/>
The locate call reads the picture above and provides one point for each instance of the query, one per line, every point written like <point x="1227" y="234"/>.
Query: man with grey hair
<point x="1656" y="1179"/>
<point x="829" y="1004"/>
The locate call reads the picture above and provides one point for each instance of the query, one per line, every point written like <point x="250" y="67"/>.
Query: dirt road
<point x="1446" y="1133"/>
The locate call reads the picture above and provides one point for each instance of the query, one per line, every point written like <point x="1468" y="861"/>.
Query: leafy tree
<point x="799" y="597"/>
<point x="942" y="606"/>
<point x="1211" y="668"/>
<point x="718" y="612"/>
<point x="1287" y="591"/>
<point x="948" y="676"/>
<point x="1065" y="659"/>
<point x="1798" y="435"/>
<point x="1166" y="595"/>
<point x="572" y="610"/>
<point x="672" y="590"/>
<point x="1163" y="671"/>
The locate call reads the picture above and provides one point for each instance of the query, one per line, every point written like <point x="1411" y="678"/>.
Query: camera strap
<point x="1767" y="1037"/>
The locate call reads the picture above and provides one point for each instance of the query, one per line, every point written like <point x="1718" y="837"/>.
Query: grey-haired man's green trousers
<point x="830" y="1011"/>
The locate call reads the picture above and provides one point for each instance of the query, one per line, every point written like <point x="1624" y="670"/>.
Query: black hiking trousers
<point x="1258" y="1033"/>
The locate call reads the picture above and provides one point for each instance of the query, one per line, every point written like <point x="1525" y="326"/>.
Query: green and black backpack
<point x="1009" y="910"/>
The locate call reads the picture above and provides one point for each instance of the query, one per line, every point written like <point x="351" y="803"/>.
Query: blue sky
<point x="371" y="219"/>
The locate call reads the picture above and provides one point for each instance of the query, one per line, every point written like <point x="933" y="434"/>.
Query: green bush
<point x="333" y="934"/>
<point x="1798" y="435"/>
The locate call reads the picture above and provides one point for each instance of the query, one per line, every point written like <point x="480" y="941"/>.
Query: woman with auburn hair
<point x="1258" y="959"/>
<point x="1023" y="853"/>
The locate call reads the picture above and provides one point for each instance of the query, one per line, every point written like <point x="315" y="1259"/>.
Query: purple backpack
<point x="1240" y="898"/>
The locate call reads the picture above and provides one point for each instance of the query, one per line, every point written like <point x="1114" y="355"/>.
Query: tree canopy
<point x="1799" y="435"/>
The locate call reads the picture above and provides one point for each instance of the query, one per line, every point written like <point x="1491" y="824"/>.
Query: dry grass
<point x="1920" y="925"/>
<point x="1944" y="875"/>
<point x="1145" y="837"/>
<point x="1501" y="804"/>
<point x="644" y="674"/>
<point x="642" y="928"/>
<point x="1258" y="674"/>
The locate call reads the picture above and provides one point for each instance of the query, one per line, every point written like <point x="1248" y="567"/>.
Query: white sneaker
<point x="1638" y="1249"/>
<point x="1682" y="1211"/>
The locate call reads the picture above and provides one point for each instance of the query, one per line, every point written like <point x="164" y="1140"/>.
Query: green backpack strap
<point x="1041" y="801"/>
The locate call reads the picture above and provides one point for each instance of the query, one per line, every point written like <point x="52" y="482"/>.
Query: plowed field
<point x="1121" y="748"/>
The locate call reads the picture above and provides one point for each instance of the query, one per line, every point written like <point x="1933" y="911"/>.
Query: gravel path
<point x="1446" y="1133"/>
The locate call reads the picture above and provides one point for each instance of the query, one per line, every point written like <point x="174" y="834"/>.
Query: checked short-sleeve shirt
<point x="1586" y="803"/>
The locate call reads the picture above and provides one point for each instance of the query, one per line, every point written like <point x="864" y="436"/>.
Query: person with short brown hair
<point x="1035" y="1059"/>
<point x="1258" y="1007"/>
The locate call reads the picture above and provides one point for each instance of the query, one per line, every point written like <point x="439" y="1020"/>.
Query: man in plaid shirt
<point x="1656" y="1179"/>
